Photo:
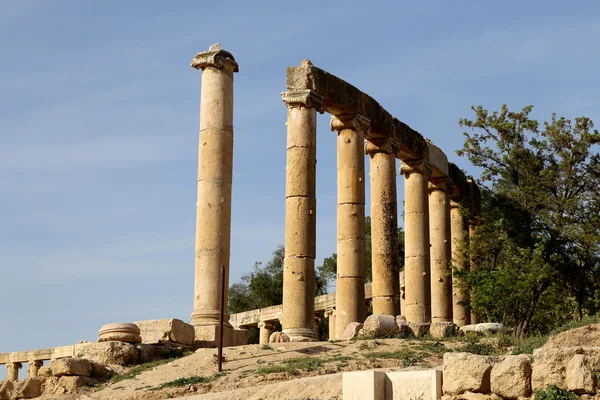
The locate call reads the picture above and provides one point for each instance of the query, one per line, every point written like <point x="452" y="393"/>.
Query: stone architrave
<point x="331" y="317"/>
<point x="350" y="282"/>
<point x="12" y="371"/>
<point x="34" y="368"/>
<point x="459" y="231"/>
<point x="300" y="214"/>
<point x="213" y="209"/>
<point x="416" y="240"/>
<point x="384" y="226"/>
<point x="266" y="328"/>
<point x="440" y="250"/>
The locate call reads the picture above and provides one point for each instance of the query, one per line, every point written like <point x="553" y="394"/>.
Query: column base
<point x="301" y="334"/>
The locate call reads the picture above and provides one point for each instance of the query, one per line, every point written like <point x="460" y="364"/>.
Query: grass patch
<point x="482" y="349"/>
<point x="266" y="347"/>
<point x="553" y="392"/>
<point x="408" y="357"/>
<point x="273" y="369"/>
<point x="294" y="365"/>
<point x="192" y="380"/>
<point x="432" y="348"/>
<point x="135" y="371"/>
<point x="339" y="358"/>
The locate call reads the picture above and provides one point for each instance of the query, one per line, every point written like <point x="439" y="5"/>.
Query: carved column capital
<point x="329" y="312"/>
<point x="304" y="98"/>
<point x="215" y="57"/>
<point x="356" y="122"/>
<point x="440" y="184"/>
<point x="266" y="324"/>
<point x="14" y="365"/>
<point x="421" y="166"/>
<point x="381" y="145"/>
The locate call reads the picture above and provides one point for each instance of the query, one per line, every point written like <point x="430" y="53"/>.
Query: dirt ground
<point x="274" y="371"/>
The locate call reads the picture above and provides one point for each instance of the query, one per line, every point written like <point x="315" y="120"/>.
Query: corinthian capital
<point x="355" y="122"/>
<point x="381" y="145"/>
<point x="215" y="57"/>
<point x="421" y="166"/>
<point x="442" y="184"/>
<point x="303" y="98"/>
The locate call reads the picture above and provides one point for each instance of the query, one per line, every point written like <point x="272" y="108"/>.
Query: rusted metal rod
<point x="221" y="313"/>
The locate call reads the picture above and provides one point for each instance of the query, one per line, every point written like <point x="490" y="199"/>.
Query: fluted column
<point x="416" y="240"/>
<point x="300" y="215"/>
<point x="12" y="371"/>
<point x="384" y="227"/>
<point x="460" y="315"/>
<point x="265" y="330"/>
<point x="350" y="282"/>
<point x="213" y="209"/>
<point x="34" y="368"/>
<point x="440" y="250"/>
<point x="331" y="317"/>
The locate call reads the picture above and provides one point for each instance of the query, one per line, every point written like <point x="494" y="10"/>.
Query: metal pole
<point x="221" y="312"/>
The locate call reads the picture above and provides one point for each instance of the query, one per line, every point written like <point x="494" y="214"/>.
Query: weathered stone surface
<point x="406" y="385"/>
<point x="483" y="328"/>
<point x="440" y="330"/>
<point x="580" y="373"/>
<point x="279" y="337"/>
<point x="166" y="331"/>
<point x="586" y="336"/>
<point x="6" y="390"/>
<point x="150" y="352"/>
<point x="364" y="385"/>
<point x="71" y="366"/>
<point x="511" y="378"/>
<point x="72" y="383"/>
<point x="101" y="372"/>
<point x="472" y="396"/>
<point x="124" y="332"/>
<point x="45" y="371"/>
<point x="108" y="353"/>
<point x="465" y="372"/>
<point x="550" y="364"/>
<point x="28" y="388"/>
<point x="380" y="325"/>
<point x="418" y="329"/>
<point x="351" y="331"/>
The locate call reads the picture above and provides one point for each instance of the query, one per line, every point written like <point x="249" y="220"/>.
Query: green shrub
<point x="553" y="392"/>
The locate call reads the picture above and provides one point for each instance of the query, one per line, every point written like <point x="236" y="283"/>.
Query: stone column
<point x="213" y="209"/>
<point x="440" y="250"/>
<point x="350" y="282"/>
<point x="265" y="329"/>
<point x="300" y="215"/>
<point x="402" y="294"/>
<point x="460" y="314"/>
<point x="12" y="371"/>
<point x="330" y="314"/>
<point x="384" y="227"/>
<point x="416" y="240"/>
<point x="472" y="232"/>
<point x="34" y="368"/>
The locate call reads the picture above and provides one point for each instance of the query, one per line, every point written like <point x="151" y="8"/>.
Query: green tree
<point x="537" y="250"/>
<point x="328" y="270"/>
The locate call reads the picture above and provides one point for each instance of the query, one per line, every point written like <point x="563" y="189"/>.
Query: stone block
<point x="71" y="366"/>
<point x="379" y="325"/>
<point x="208" y="336"/>
<point x="511" y="378"/>
<point x="580" y="374"/>
<point x="123" y="332"/>
<point x="423" y="385"/>
<point x="171" y="330"/>
<point x="108" y="353"/>
<point x="278" y="337"/>
<point x="72" y="383"/>
<point x="45" y="371"/>
<point x="487" y="328"/>
<point x="101" y="372"/>
<point x="351" y="331"/>
<point x="551" y="364"/>
<point x="6" y="390"/>
<point x="418" y="329"/>
<point x="466" y="372"/>
<point x="441" y="330"/>
<point x="363" y="385"/>
<point x="28" y="388"/>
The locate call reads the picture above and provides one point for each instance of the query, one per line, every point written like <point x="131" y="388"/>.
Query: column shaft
<point x="331" y="317"/>
<point x="213" y="209"/>
<point x="34" y="367"/>
<point x="384" y="227"/>
<point x="350" y="282"/>
<point x="265" y="331"/>
<point x="440" y="250"/>
<point x="416" y="241"/>
<point x="12" y="371"/>
<point x="300" y="217"/>
<point x="460" y="314"/>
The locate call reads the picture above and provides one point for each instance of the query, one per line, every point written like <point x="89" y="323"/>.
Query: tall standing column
<point x="384" y="227"/>
<point x="350" y="282"/>
<point x="12" y="371"/>
<point x="300" y="215"/>
<point x="416" y="240"/>
<point x="213" y="209"/>
<point x="440" y="250"/>
<point x="460" y="296"/>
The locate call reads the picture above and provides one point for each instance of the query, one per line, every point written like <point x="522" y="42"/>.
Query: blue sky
<point x="99" y="115"/>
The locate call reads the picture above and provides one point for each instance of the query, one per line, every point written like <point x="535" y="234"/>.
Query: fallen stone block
<point x="586" y="336"/>
<point x="28" y="388"/>
<point x="123" y="332"/>
<point x="486" y="328"/>
<point x="511" y="378"/>
<point x="441" y="330"/>
<point x="351" y="331"/>
<point x="108" y="353"/>
<point x="550" y="364"/>
<point x="171" y="330"/>
<point x="418" y="329"/>
<point x="278" y="337"/>
<point x="423" y="385"/>
<point x="466" y="372"/>
<point x="364" y="385"/>
<point x="72" y="383"/>
<point x="580" y="373"/>
<point x="71" y="366"/>
<point x="6" y="390"/>
<point x="151" y="352"/>
<point x="380" y="325"/>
